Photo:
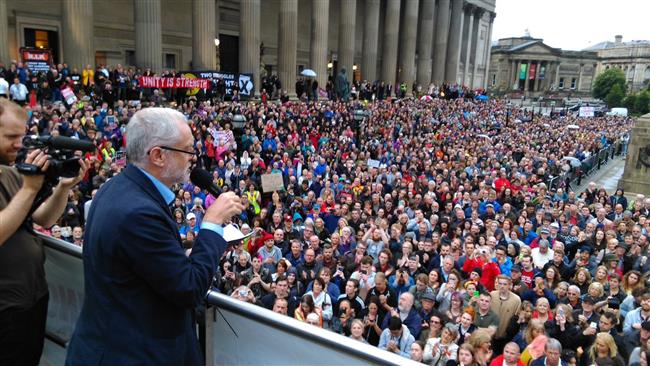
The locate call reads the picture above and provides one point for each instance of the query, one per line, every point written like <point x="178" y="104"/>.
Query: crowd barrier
<point x="588" y="166"/>
<point x="236" y="333"/>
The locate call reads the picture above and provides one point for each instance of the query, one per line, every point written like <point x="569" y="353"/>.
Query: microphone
<point x="65" y="143"/>
<point x="203" y="179"/>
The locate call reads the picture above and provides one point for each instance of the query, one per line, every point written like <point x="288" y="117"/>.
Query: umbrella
<point x="573" y="127"/>
<point x="484" y="136"/>
<point x="309" y="73"/>
<point x="575" y="162"/>
<point x="482" y="97"/>
<point x="426" y="98"/>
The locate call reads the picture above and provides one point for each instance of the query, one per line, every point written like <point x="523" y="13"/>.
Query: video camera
<point x="63" y="162"/>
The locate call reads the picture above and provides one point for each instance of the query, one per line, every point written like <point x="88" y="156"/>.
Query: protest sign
<point x="272" y="182"/>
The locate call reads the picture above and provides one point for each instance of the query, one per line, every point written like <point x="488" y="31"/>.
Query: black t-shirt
<point x="22" y="275"/>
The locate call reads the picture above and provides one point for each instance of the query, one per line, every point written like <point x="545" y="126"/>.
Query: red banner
<point x="159" y="82"/>
<point x="531" y="72"/>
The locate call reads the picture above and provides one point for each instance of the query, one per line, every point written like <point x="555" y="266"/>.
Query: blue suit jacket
<point x="140" y="288"/>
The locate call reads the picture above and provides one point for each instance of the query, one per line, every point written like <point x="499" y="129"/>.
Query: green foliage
<point x="642" y="103"/>
<point x="629" y="102"/>
<point x="615" y="96"/>
<point x="606" y="80"/>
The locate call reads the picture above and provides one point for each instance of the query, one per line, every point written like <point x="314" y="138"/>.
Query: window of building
<point x="573" y="83"/>
<point x="646" y="74"/>
<point x="561" y="83"/>
<point x="170" y="61"/>
<point x="494" y="79"/>
<point x="129" y="57"/>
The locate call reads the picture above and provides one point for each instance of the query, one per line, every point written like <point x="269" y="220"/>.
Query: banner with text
<point x="36" y="59"/>
<point x="160" y="82"/>
<point x="243" y="81"/>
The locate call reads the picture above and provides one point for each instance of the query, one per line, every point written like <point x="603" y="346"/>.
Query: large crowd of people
<point x="425" y="227"/>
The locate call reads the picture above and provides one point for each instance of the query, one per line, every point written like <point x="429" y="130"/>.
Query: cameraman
<point x="23" y="289"/>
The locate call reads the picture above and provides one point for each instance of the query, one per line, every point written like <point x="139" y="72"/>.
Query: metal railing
<point x="236" y="333"/>
<point x="589" y="165"/>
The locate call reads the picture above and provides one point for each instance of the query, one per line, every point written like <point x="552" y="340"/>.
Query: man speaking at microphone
<point x="140" y="288"/>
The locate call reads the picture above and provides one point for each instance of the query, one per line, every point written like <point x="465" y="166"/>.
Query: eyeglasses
<point x="172" y="149"/>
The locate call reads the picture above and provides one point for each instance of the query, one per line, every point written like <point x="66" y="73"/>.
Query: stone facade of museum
<point x="395" y="41"/>
<point x="527" y="66"/>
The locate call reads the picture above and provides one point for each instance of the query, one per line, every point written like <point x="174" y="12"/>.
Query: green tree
<point x="629" y="102"/>
<point x="606" y="80"/>
<point x="615" y="96"/>
<point x="642" y="103"/>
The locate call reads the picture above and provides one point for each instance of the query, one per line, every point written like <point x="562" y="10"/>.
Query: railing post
<point x="209" y="319"/>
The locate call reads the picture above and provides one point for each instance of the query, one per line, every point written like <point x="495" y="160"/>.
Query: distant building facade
<point x="528" y="66"/>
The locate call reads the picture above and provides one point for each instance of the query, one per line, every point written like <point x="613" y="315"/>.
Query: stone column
<point x="468" y="51"/>
<point x="442" y="33"/>
<point x="320" y="10"/>
<point x="391" y="32"/>
<point x="4" y="39"/>
<point x="407" y="57"/>
<point x="580" y="77"/>
<point x="78" y="45"/>
<point x="425" y="43"/>
<point x="370" y="40"/>
<point x="537" y="81"/>
<point x="148" y="34"/>
<point x="475" y="54"/>
<point x="347" y="32"/>
<point x="455" y="38"/>
<point x="217" y="22"/>
<point x="488" y="48"/>
<point x="557" y="75"/>
<point x="287" y="42"/>
<point x="249" y="41"/>
<point x="517" y="71"/>
<point x="203" y="35"/>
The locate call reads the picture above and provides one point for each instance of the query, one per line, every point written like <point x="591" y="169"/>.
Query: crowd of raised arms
<point x="424" y="227"/>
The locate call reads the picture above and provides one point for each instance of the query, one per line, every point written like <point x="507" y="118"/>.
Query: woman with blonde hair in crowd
<point x="542" y="310"/>
<point x="356" y="331"/>
<point x="605" y="347"/>
<point x="482" y="343"/>
<point x="535" y="337"/>
<point x="601" y="275"/>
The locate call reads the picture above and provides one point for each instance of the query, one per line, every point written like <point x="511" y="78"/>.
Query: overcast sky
<point x="572" y="24"/>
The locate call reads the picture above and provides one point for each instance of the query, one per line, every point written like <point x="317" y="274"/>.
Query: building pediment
<point x="535" y="47"/>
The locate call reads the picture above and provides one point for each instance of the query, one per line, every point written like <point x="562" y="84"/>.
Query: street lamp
<point x="238" y="123"/>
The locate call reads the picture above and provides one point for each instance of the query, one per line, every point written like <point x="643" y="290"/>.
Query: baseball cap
<point x="428" y="296"/>
<point x="544" y="231"/>
<point x="516" y="268"/>
<point x="190" y="216"/>
<point x="589" y="300"/>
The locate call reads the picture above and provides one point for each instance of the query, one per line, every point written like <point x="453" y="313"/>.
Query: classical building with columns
<point x="395" y="41"/>
<point x="528" y="66"/>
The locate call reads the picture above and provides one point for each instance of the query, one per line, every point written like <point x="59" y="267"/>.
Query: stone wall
<point x="636" y="177"/>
